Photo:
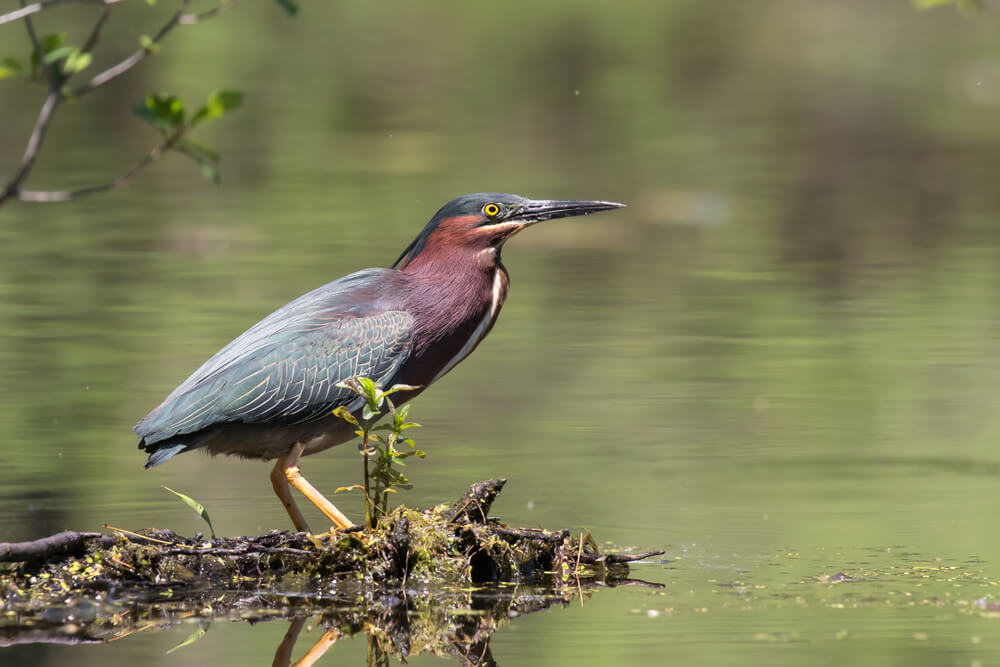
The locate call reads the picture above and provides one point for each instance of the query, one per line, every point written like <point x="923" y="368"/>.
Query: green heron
<point x="271" y="393"/>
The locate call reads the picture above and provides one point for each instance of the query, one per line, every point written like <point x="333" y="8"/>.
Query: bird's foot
<point x="322" y="540"/>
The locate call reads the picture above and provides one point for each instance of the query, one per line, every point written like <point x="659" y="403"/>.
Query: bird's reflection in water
<point x="398" y="627"/>
<point x="449" y="623"/>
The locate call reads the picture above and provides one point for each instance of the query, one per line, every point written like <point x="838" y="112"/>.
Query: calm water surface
<point x="780" y="364"/>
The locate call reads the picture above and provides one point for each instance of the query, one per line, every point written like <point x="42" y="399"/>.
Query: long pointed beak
<point x="548" y="209"/>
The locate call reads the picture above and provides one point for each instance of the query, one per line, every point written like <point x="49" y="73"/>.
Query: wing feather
<point x="285" y="369"/>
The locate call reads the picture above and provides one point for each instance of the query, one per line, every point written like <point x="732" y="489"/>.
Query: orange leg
<point x="290" y="470"/>
<point x="322" y="645"/>
<point x="283" y="656"/>
<point x="281" y="488"/>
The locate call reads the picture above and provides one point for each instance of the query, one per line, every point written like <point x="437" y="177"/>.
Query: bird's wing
<point x="286" y="368"/>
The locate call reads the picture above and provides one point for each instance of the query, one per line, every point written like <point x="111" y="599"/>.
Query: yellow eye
<point x="491" y="210"/>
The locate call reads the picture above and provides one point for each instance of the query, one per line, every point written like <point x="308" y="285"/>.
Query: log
<point x="68" y="543"/>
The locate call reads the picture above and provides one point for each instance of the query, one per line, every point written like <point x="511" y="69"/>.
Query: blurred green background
<point x="787" y="344"/>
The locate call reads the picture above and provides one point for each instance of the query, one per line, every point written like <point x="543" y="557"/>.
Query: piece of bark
<point x="474" y="506"/>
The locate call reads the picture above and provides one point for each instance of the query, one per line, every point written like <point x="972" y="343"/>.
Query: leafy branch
<point x="384" y="478"/>
<point x="54" y="63"/>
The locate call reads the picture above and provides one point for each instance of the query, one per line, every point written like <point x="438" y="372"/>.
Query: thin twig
<point x="191" y="19"/>
<point x="46" y="196"/>
<point x="128" y="533"/>
<point x="88" y="46"/>
<point x="619" y="558"/>
<point x="52" y="101"/>
<point x="34" y="143"/>
<point x="115" y="71"/>
<point x="369" y="515"/>
<point x="35" y="7"/>
<point x="33" y="36"/>
<point x="121" y="562"/>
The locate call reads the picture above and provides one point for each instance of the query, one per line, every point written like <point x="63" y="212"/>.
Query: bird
<point x="271" y="393"/>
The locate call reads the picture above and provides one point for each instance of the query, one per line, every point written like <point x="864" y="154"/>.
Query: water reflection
<point x="398" y="624"/>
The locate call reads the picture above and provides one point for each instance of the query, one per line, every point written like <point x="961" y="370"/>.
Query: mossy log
<point x="455" y="545"/>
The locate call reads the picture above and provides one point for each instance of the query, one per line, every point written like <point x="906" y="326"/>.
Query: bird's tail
<point x="161" y="451"/>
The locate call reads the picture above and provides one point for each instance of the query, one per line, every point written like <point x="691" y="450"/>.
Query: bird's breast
<point x="498" y="293"/>
<point x="451" y="329"/>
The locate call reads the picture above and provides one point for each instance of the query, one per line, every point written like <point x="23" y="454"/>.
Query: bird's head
<point x="483" y="221"/>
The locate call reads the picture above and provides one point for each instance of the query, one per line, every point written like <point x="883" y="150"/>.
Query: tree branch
<point x="191" y="19"/>
<point x="95" y="34"/>
<point x="47" y="196"/>
<point x="12" y="188"/>
<point x="37" y="46"/>
<point x="35" y="7"/>
<point x="34" y="143"/>
<point x="115" y="71"/>
<point x="69" y="543"/>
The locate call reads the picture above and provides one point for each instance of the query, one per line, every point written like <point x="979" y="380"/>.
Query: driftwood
<point x="68" y="543"/>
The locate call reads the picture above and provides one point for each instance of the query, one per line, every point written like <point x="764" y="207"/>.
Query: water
<point x="778" y="364"/>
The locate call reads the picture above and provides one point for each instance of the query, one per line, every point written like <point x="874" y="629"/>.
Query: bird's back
<point x="285" y="369"/>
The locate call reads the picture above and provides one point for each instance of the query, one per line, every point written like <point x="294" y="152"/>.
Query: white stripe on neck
<point x="481" y="328"/>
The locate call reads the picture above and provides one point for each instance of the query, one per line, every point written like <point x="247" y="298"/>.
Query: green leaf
<point x="289" y="6"/>
<point x="207" y="159"/>
<point x="199" y="150"/>
<point x="10" y="68"/>
<point x="197" y="507"/>
<point x="345" y="414"/>
<point x="365" y="388"/>
<point x="47" y="44"/>
<point x="164" y="112"/>
<point x="192" y="638"/>
<point x="146" y="42"/>
<point x="76" y="61"/>
<point x="55" y="55"/>
<point x="217" y="105"/>
<point x="400" y="387"/>
<point x="368" y="388"/>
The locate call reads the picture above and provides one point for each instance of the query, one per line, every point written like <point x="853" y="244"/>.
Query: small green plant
<point x="196" y="506"/>
<point x="384" y="477"/>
